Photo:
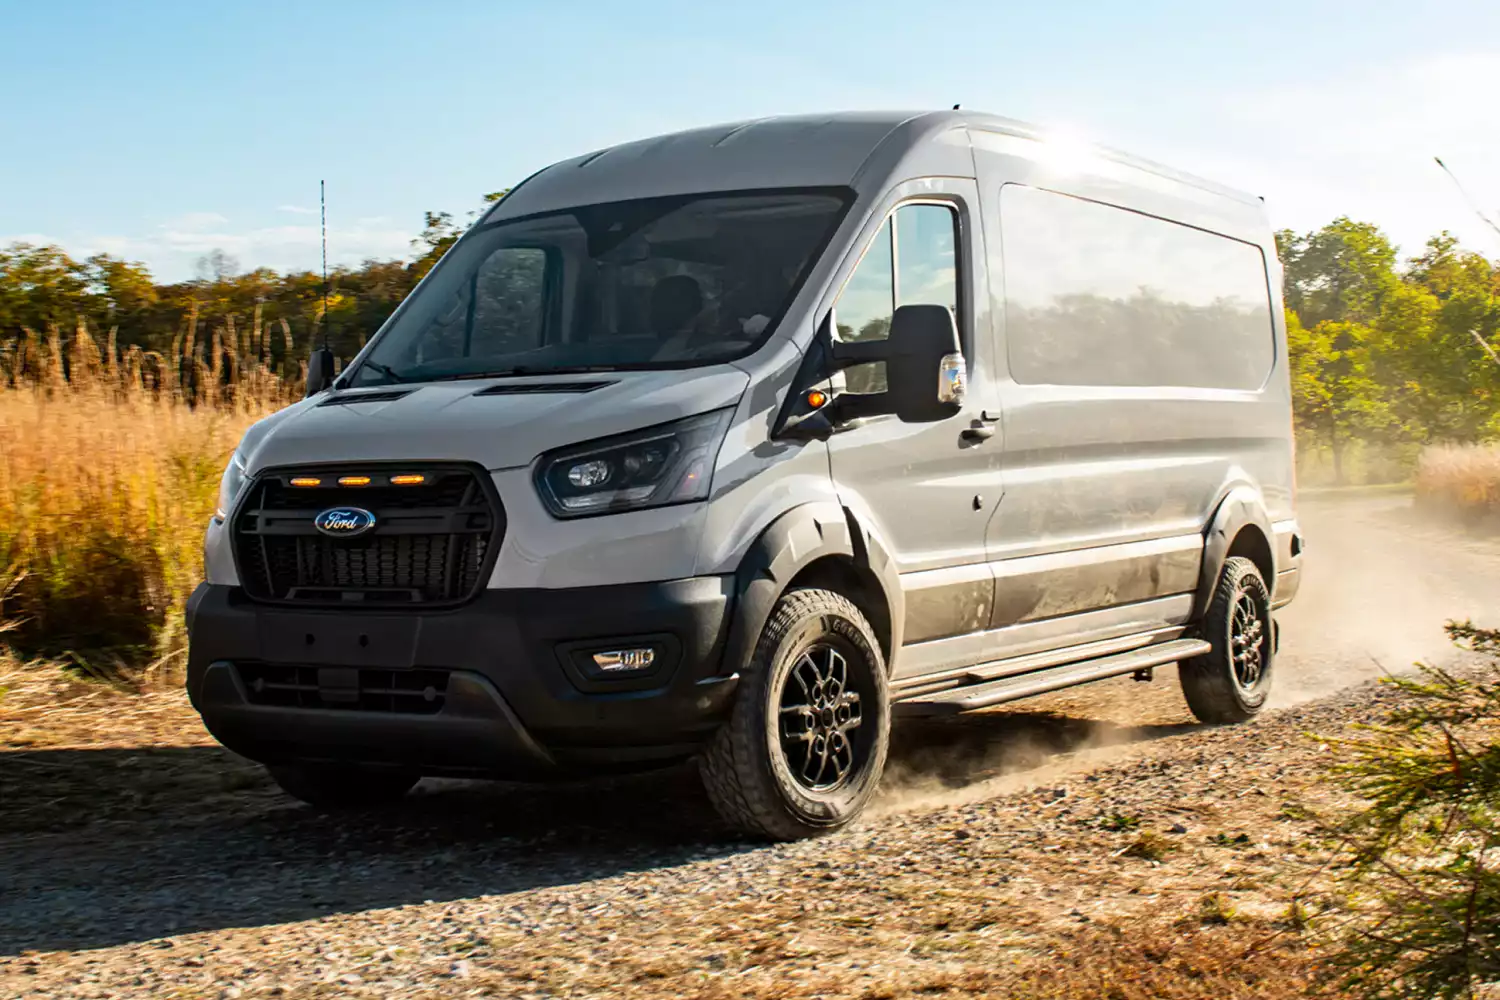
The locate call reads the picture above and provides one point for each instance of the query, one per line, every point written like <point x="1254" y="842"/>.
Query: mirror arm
<point x="846" y="354"/>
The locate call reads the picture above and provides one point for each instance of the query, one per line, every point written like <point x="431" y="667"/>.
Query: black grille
<point x="431" y="544"/>
<point x="405" y="692"/>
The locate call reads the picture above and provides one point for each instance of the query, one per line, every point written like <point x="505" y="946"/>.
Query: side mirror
<point x="925" y="375"/>
<point x="924" y="365"/>
<point x="319" y="371"/>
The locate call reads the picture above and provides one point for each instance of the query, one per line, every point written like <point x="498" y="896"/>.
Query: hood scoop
<point x="386" y="396"/>
<point x="523" y="388"/>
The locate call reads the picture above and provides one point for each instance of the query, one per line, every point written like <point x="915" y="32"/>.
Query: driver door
<point x="927" y="488"/>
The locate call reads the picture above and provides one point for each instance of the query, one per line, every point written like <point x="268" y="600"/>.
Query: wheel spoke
<point x="799" y="675"/>
<point x="847" y="712"/>
<point x="838" y="673"/>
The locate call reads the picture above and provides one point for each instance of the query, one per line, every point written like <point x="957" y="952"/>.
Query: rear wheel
<point x="330" y="786"/>
<point x="806" y="743"/>
<point x="1230" y="683"/>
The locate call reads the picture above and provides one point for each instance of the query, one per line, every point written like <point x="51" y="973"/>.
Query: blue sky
<point x="160" y="130"/>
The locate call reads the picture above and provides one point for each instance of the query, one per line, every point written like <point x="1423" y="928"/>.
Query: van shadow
<point x="109" y="847"/>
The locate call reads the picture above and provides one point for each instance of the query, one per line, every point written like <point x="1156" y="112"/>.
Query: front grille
<point x="431" y="544"/>
<point x="403" y="692"/>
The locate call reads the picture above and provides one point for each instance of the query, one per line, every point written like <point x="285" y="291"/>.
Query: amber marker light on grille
<point x="354" y="480"/>
<point x="412" y="480"/>
<point x="306" y="481"/>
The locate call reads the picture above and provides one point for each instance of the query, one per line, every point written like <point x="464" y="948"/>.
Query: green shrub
<point x="1424" y="853"/>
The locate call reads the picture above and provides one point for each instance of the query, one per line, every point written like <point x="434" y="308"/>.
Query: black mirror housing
<point x="924" y="366"/>
<point x="319" y="371"/>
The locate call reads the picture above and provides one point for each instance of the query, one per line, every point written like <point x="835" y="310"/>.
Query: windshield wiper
<point x="385" y="370"/>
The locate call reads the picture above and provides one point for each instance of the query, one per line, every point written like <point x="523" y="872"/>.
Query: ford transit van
<point x="746" y="442"/>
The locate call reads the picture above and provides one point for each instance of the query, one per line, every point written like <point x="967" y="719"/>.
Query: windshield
<point x="655" y="283"/>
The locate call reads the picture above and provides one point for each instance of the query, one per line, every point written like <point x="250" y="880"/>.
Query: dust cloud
<point x="1380" y="581"/>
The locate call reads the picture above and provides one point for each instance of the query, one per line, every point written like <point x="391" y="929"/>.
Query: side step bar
<point x="970" y="697"/>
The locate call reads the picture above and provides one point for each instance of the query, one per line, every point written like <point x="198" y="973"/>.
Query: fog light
<point x="617" y="661"/>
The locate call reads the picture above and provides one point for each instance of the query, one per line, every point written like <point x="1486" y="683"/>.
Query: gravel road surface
<point x="137" y="858"/>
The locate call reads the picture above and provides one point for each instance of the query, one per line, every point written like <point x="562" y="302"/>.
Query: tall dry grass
<point x="109" y="469"/>
<point x="1461" y="480"/>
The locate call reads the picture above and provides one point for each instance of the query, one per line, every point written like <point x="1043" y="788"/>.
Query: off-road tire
<point x="1210" y="684"/>
<point x="745" y="770"/>
<point x="343" y="788"/>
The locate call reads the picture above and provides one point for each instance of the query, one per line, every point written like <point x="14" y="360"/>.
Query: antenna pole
<point x="323" y="218"/>
<point x="1472" y="203"/>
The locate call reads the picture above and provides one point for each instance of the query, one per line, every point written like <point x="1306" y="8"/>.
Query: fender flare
<point x="787" y="546"/>
<point x="1241" y="507"/>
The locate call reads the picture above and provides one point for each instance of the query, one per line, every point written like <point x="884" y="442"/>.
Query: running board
<point x="970" y="697"/>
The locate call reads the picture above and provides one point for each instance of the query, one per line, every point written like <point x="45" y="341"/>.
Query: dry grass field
<point x="109" y="469"/>
<point x="1463" y="480"/>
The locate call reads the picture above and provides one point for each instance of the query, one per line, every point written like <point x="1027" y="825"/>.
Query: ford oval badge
<point x="344" y="522"/>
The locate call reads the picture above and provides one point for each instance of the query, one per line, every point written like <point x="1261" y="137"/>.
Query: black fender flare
<point x="788" y="545"/>
<point x="1241" y="507"/>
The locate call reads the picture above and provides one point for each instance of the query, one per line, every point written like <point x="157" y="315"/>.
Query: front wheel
<point x="806" y="742"/>
<point x="1230" y="683"/>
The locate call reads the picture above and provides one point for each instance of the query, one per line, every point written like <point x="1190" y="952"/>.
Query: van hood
<point x="500" y="422"/>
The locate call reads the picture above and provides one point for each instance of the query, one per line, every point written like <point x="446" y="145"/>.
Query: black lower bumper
<point x="504" y="686"/>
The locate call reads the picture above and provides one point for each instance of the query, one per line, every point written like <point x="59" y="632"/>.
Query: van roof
<point x="815" y="150"/>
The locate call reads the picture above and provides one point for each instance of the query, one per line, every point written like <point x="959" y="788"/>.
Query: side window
<point x="926" y="265"/>
<point x="864" y="308"/>
<point x="911" y="261"/>
<point x="1100" y="295"/>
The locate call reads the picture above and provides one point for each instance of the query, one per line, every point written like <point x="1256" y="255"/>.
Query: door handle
<point x="977" y="434"/>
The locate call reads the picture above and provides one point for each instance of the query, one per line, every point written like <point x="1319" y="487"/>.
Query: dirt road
<point x="134" y="869"/>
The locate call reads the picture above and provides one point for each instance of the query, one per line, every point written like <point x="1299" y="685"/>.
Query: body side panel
<point x="1095" y="467"/>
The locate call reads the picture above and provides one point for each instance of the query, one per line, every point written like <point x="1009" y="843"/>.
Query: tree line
<point x="1386" y="353"/>
<point x="271" y="316"/>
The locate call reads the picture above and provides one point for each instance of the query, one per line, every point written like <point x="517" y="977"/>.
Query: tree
<point x="43" y="287"/>
<point x="1341" y="272"/>
<point x="438" y="235"/>
<point x="1335" y="394"/>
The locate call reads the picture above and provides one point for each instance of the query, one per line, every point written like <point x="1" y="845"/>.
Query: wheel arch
<point x="818" y="544"/>
<point x="1240" y="527"/>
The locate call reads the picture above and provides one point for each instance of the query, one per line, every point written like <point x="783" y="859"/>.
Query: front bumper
<point x="519" y="700"/>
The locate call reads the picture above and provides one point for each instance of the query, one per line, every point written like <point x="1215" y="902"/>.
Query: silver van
<point x="741" y="442"/>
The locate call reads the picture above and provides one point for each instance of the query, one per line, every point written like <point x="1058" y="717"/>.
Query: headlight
<point x="233" y="481"/>
<point x="668" y="464"/>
